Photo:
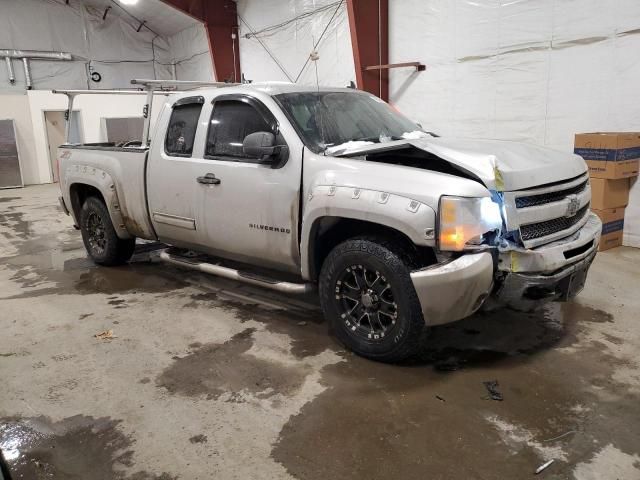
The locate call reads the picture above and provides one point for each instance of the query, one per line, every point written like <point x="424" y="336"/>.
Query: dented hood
<point x="500" y="165"/>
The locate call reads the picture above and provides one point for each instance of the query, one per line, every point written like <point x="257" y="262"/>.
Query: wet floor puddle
<point x="76" y="448"/>
<point x="215" y="369"/>
<point x="409" y="421"/>
<point x="56" y="272"/>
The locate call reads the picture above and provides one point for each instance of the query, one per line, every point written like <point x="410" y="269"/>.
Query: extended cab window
<point x="182" y="127"/>
<point x="231" y="122"/>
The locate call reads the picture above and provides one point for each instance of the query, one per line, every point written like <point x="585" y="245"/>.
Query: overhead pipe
<point x="35" y="54"/>
<point x="27" y="73"/>
<point x="26" y="56"/>
<point x="12" y="75"/>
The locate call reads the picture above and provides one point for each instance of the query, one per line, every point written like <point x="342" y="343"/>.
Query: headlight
<point x="463" y="221"/>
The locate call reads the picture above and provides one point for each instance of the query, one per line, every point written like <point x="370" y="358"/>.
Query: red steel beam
<point x="369" y="26"/>
<point x="220" y="19"/>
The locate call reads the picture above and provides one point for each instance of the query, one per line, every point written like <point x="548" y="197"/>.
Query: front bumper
<point x="525" y="291"/>
<point x="552" y="272"/>
<point x="454" y="290"/>
<point x="520" y="278"/>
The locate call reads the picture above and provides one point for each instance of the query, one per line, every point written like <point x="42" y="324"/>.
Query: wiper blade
<point x="376" y="139"/>
<point x="367" y="139"/>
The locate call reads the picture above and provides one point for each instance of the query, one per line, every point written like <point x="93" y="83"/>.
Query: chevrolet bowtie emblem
<point x="572" y="207"/>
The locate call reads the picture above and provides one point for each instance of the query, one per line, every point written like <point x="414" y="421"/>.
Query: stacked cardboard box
<point x="613" y="159"/>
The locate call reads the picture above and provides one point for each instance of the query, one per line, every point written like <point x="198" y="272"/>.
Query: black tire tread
<point x="399" y="257"/>
<point x="118" y="251"/>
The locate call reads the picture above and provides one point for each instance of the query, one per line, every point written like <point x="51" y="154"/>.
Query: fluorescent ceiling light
<point x="128" y="2"/>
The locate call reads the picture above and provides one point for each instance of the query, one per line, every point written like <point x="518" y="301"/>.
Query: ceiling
<point x="160" y="17"/>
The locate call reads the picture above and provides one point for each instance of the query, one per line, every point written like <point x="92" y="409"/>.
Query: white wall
<point x="91" y="108"/>
<point x="292" y="44"/>
<point x="77" y="29"/>
<point x="111" y="47"/>
<point x="631" y="236"/>
<point x="189" y="51"/>
<point x="532" y="70"/>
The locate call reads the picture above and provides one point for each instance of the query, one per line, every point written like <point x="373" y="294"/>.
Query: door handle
<point x="209" y="179"/>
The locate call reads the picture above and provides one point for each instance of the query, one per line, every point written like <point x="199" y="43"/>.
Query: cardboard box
<point x="612" y="227"/>
<point x="609" y="155"/>
<point x="607" y="193"/>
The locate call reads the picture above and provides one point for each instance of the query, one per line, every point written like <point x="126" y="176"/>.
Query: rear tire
<point x="369" y="300"/>
<point x="100" y="238"/>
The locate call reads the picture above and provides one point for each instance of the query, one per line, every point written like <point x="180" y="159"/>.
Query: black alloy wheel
<point x="368" y="298"/>
<point x="366" y="302"/>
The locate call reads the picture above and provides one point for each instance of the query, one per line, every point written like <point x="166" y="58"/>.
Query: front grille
<point x="549" y="227"/>
<point x="541" y="199"/>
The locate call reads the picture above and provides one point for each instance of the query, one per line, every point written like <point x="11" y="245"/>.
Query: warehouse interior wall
<point x="28" y="112"/>
<point x="190" y="52"/>
<point x="111" y="47"/>
<point x="536" y="71"/>
<point x="91" y="108"/>
<point x="276" y="38"/>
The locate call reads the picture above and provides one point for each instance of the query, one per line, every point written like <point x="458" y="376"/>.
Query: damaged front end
<point x="551" y="237"/>
<point x="527" y="277"/>
<point x="515" y="249"/>
<point x="518" y="246"/>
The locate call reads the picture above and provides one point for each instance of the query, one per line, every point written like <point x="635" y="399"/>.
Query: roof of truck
<point x="276" y="88"/>
<point x="264" y="88"/>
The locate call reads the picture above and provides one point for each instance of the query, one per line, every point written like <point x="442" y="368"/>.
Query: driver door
<point x="251" y="211"/>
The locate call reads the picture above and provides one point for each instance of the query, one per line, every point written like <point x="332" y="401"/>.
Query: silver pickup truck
<point x="292" y="187"/>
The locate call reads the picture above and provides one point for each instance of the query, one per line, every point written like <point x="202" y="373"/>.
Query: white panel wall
<point x="532" y="70"/>
<point x="112" y="47"/>
<point x="189" y="51"/>
<point x="291" y="44"/>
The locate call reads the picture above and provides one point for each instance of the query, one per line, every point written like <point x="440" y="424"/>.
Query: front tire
<point x="369" y="300"/>
<point x="100" y="238"/>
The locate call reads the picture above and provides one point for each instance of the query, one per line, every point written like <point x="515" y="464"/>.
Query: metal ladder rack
<point x="148" y="87"/>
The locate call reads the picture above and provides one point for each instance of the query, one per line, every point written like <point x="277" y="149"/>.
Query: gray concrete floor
<point x="210" y="379"/>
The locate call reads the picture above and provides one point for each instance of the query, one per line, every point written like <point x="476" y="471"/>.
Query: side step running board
<point x="233" y="274"/>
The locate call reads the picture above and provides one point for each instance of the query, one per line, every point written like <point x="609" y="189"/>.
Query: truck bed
<point x="119" y="173"/>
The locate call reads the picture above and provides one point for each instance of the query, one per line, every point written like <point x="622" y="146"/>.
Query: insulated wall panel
<point x="537" y="71"/>
<point x="277" y="37"/>
<point x="110" y="46"/>
<point x="189" y="51"/>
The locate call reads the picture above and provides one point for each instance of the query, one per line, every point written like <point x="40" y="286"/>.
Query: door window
<point x="231" y="122"/>
<point x="182" y="129"/>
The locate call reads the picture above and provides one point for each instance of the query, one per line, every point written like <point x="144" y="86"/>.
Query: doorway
<point x="55" y="124"/>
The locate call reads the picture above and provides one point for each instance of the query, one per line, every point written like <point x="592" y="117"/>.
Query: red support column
<point x="221" y="22"/>
<point x="369" y="26"/>
<point x="220" y="19"/>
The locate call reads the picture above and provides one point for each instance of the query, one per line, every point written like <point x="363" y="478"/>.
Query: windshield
<point x="335" y="121"/>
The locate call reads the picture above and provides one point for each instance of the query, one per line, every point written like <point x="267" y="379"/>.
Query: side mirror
<point x="260" y="144"/>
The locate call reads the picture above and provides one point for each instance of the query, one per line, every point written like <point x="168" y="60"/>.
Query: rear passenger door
<point x="172" y="170"/>
<point x="251" y="212"/>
